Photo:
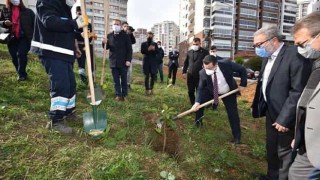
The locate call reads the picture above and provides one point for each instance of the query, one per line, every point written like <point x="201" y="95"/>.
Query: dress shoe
<point x="59" y="126"/>
<point x="20" y="78"/>
<point x="235" y="141"/>
<point x="118" y="98"/>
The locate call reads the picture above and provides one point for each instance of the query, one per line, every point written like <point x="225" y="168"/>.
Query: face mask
<point x="209" y="72"/>
<point x="262" y="52"/>
<point x="116" y="28"/>
<point x="308" y="51"/>
<point x="195" y="48"/>
<point x="159" y="46"/>
<point x="70" y="3"/>
<point x="213" y="54"/>
<point x="15" y="2"/>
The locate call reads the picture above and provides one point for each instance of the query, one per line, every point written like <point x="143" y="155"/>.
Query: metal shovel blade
<point x="92" y="126"/>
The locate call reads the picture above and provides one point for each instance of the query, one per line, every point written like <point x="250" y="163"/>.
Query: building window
<point x="98" y="11"/>
<point x="287" y="29"/>
<point x="270" y="16"/>
<point x="114" y="14"/>
<point x="250" y="3"/>
<point x="226" y="33"/>
<point x="270" y="5"/>
<point x="206" y="22"/>
<point x="245" y="46"/>
<point x="222" y="21"/>
<point x="114" y="7"/>
<point x="248" y="24"/>
<point x="248" y="13"/>
<point x="289" y="19"/>
<point x="290" y="9"/>
<point x="248" y="35"/>
<point x="98" y="18"/>
<point x="98" y="4"/>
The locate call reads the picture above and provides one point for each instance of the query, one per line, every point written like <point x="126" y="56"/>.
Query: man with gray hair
<point x="282" y="78"/>
<point x="306" y="33"/>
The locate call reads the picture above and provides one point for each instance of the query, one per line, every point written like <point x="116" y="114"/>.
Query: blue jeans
<point x="62" y="87"/>
<point x="120" y="81"/>
<point x="18" y="50"/>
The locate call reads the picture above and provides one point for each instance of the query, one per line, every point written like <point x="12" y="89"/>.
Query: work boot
<point x="59" y="126"/>
<point x="73" y="116"/>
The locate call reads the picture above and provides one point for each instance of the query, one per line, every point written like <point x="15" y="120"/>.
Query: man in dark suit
<point x="149" y="49"/>
<point x="119" y="44"/>
<point x="192" y="66"/>
<point x="173" y="65"/>
<point x="213" y="51"/>
<point x="283" y="75"/>
<point x="217" y="79"/>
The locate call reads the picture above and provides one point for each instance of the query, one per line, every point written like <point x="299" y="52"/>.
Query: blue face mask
<point x="262" y="52"/>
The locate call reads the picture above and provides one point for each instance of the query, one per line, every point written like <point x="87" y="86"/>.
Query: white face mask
<point x="70" y="3"/>
<point x="195" y="48"/>
<point x="308" y="51"/>
<point x="15" y="2"/>
<point x="213" y="54"/>
<point x="209" y="72"/>
<point x="116" y="28"/>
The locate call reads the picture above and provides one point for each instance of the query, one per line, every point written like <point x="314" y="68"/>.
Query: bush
<point x="254" y="63"/>
<point x="239" y="60"/>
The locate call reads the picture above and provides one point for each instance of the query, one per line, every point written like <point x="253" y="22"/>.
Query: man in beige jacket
<point x="306" y="165"/>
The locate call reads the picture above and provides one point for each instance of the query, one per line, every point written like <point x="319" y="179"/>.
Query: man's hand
<point x="8" y="23"/>
<point x="292" y="144"/>
<point x="195" y="107"/>
<point x="78" y="53"/>
<point x="280" y="128"/>
<point x="151" y="48"/>
<point x="105" y="40"/>
<point x="82" y="21"/>
<point x="184" y="76"/>
<point x="128" y="63"/>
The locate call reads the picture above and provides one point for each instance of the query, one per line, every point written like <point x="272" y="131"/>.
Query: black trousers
<point x="192" y="83"/>
<point x="278" y="145"/>
<point x="173" y="72"/>
<point x="230" y="103"/>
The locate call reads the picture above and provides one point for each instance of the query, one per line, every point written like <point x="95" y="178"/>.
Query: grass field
<point x="29" y="151"/>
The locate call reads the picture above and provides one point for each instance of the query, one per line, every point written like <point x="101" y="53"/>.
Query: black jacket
<point x="286" y="82"/>
<point x="227" y="68"/>
<point x="120" y="49"/>
<point x="150" y="59"/>
<point x="193" y="64"/>
<point x="173" y="58"/>
<point x="26" y="19"/>
<point x="160" y="55"/>
<point x="79" y="37"/>
<point x="54" y="34"/>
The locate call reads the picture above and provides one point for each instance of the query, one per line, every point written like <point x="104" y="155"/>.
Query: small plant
<point x="164" y="121"/>
<point x="239" y="60"/>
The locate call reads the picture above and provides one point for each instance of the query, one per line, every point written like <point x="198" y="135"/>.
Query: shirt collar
<point x="275" y="54"/>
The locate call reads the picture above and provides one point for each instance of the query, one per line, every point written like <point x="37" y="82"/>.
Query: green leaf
<point x="164" y="174"/>
<point x="165" y="107"/>
<point x="158" y="130"/>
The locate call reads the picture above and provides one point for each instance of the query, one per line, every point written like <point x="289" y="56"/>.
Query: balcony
<point x="246" y="26"/>
<point x="245" y="48"/>
<point x="221" y="12"/>
<point x="250" y="38"/>
<point x="245" y="4"/>
<point x="221" y="24"/>
<point x="223" y="1"/>
<point x="219" y="35"/>
<point x="249" y="16"/>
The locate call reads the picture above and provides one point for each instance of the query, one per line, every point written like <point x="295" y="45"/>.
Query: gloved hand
<point x="82" y="21"/>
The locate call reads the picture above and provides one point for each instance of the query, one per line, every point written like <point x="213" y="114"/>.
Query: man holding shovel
<point x="217" y="79"/>
<point x="54" y="42"/>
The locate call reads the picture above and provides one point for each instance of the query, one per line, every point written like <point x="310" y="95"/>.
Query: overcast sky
<point x="146" y="13"/>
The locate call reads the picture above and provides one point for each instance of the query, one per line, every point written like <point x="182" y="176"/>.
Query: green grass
<point x="29" y="151"/>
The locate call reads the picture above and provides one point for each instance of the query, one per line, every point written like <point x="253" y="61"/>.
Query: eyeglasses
<point x="302" y="45"/>
<point x="258" y="45"/>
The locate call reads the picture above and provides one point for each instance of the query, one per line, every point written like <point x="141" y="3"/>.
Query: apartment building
<point x="141" y="36"/>
<point x="302" y="8"/>
<point x="230" y="24"/>
<point x="314" y="6"/>
<point x="168" y="33"/>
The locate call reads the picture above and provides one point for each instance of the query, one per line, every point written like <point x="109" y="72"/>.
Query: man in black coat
<point x="160" y="56"/>
<point x="283" y="75"/>
<point x="119" y="44"/>
<point x="192" y="66"/>
<point x="150" y="62"/>
<point x="217" y="79"/>
<point x="213" y="51"/>
<point x="173" y="64"/>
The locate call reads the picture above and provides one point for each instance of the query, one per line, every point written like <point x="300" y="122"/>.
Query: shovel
<point x="210" y="102"/>
<point x="104" y="56"/>
<point x="95" y="122"/>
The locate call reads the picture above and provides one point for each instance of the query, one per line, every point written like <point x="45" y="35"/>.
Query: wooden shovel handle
<point x="88" y="57"/>
<point x="211" y="101"/>
<point x="104" y="52"/>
